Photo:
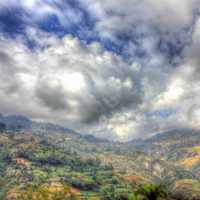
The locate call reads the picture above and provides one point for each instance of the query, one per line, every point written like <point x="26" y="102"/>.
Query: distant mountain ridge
<point x="25" y="124"/>
<point x="175" y="134"/>
<point x="20" y="123"/>
<point x="181" y="135"/>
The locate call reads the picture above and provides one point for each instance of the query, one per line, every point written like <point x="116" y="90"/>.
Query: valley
<point x="58" y="163"/>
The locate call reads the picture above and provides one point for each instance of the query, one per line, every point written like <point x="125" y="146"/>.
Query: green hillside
<point x="66" y="166"/>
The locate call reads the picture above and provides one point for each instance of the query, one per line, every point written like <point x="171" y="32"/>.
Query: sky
<point x="118" y="69"/>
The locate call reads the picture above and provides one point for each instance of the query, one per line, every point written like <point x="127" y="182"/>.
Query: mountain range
<point x="38" y="159"/>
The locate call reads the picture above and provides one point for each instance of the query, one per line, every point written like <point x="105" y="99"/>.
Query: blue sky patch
<point x="166" y="113"/>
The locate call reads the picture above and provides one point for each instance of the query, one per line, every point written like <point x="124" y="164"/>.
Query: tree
<point x="152" y="192"/>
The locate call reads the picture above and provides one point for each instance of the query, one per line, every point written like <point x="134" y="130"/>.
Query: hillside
<point x="58" y="163"/>
<point x="32" y="167"/>
<point x="180" y="148"/>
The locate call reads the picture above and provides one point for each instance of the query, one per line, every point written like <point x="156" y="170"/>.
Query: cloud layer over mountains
<point x="115" y="68"/>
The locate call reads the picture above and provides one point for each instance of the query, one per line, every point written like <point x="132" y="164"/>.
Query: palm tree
<point x="151" y="192"/>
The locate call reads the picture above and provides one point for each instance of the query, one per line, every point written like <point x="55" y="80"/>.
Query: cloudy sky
<point x="119" y="69"/>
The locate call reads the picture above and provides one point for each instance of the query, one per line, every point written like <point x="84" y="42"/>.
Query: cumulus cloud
<point x="121" y="15"/>
<point x="151" y="84"/>
<point x="72" y="80"/>
<point x="148" y="20"/>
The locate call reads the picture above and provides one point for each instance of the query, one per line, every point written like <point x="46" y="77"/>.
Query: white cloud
<point x="87" y="87"/>
<point x="115" y="16"/>
<point x="68" y="81"/>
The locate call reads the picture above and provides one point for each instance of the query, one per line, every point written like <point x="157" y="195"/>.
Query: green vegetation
<point x="151" y="192"/>
<point x="61" y="166"/>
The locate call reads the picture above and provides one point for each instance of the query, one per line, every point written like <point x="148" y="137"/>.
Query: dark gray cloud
<point x="52" y="96"/>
